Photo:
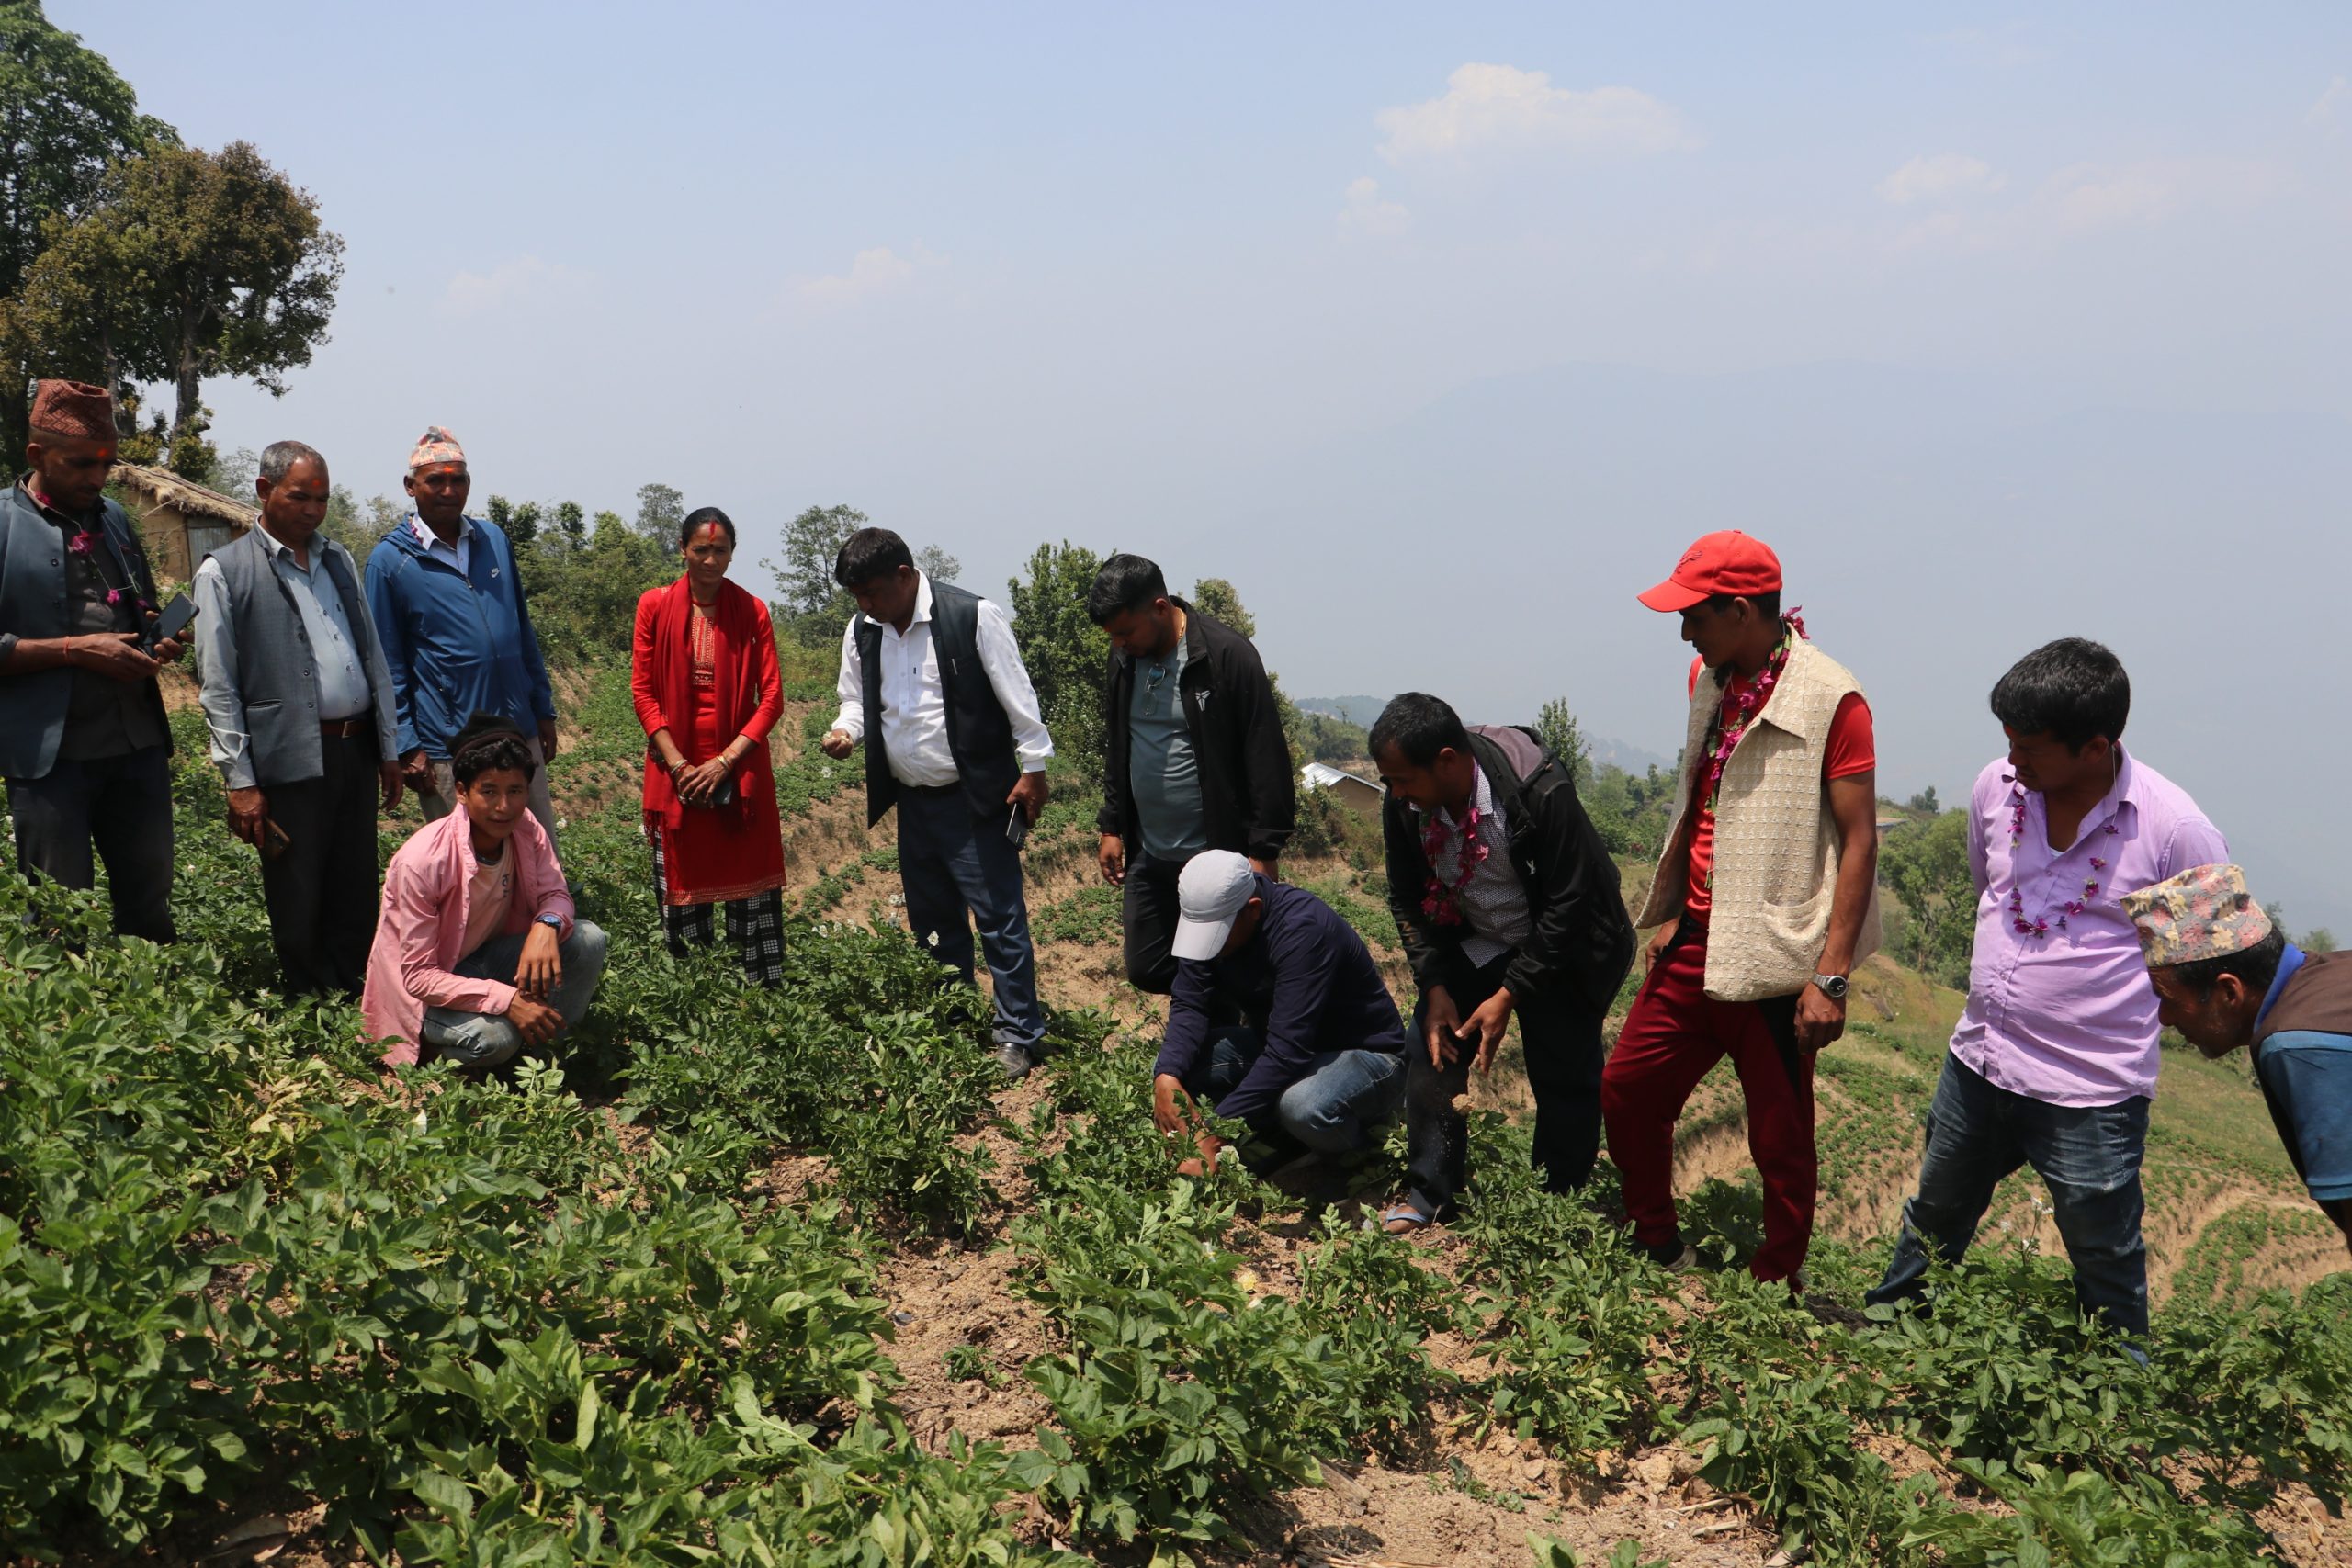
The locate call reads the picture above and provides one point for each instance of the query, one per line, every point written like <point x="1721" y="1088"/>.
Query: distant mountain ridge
<point x="1362" y="710"/>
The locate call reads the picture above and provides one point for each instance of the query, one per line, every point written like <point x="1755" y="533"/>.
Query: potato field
<point x="792" y="1278"/>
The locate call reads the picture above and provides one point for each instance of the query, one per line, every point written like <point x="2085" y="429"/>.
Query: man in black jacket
<point x="1508" y="902"/>
<point x="1195" y="756"/>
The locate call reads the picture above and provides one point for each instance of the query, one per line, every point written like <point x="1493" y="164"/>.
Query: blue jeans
<point x="121" y="807"/>
<point x="950" y="862"/>
<point x="1341" y="1100"/>
<point x="2089" y="1156"/>
<point x="486" y="1038"/>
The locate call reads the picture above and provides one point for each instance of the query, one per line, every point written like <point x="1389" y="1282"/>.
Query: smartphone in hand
<point x="175" y="617"/>
<point x="1016" y="827"/>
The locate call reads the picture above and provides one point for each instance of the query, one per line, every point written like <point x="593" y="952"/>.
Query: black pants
<point x="322" y="890"/>
<point x="1148" y="921"/>
<point x="122" y="807"/>
<point x="1562" y="1042"/>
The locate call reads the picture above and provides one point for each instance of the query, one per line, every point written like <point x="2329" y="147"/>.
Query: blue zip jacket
<point x="456" y="645"/>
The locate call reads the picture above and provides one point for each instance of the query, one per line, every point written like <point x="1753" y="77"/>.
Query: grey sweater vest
<point x="277" y="676"/>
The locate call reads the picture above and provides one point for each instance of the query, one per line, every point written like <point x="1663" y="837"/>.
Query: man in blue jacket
<point x="83" y="743"/>
<point x="457" y="635"/>
<point x="1319" y="1058"/>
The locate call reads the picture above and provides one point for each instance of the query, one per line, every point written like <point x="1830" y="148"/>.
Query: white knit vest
<point x="1776" y="843"/>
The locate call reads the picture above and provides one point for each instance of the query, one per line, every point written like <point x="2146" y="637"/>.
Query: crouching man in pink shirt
<point x="477" y="953"/>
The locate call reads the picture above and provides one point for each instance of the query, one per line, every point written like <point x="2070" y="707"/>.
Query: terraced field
<point x="787" y="1276"/>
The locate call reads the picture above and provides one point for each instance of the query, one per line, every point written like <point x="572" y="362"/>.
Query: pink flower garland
<point x="1748" y="704"/>
<point x="1441" y="903"/>
<point x="2039" y="925"/>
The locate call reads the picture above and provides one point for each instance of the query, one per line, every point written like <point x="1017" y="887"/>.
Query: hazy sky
<point x="1440" y="330"/>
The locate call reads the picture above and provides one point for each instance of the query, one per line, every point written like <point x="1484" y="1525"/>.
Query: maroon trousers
<point x="1673" y="1037"/>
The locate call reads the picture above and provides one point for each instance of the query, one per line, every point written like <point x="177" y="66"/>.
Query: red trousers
<point x="1673" y="1037"/>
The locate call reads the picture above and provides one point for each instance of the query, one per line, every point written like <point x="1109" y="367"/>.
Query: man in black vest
<point x="1195" y="759"/>
<point x="933" y="680"/>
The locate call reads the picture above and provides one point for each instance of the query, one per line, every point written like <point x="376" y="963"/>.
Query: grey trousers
<point x="484" y="1039"/>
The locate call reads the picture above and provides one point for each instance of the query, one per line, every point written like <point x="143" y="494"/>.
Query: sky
<point x="1440" y="332"/>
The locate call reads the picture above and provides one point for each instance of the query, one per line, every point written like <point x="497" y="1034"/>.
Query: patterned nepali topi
<point x="2205" y="912"/>
<point x="74" y="409"/>
<point x="435" y="446"/>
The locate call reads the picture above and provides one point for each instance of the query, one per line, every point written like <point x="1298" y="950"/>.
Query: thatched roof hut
<point x="180" y="520"/>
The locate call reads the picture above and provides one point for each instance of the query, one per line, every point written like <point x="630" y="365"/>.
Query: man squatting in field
<point x="1765" y="898"/>
<point x="1317" y="1065"/>
<point x="1195" y="756"/>
<point x="2054" y="1063"/>
<point x="2225" y="977"/>
<point x="477" y="952"/>
<point x="1507" y="903"/>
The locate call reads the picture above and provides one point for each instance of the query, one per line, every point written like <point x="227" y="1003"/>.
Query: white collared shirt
<point x="914" y="705"/>
<point x="457" y="553"/>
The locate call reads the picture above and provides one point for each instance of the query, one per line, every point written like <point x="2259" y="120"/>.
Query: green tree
<point x="2319" y="938"/>
<point x="572" y="523"/>
<point x="660" y="510"/>
<point x="192" y="265"/>
<point x="358" y="526"/>
<point x="1215" y="598"/>
<point x="1556" y="728"/>
<point x="65" y="119"/>
<point x="1068" y="656"/>
<point x="812" y="604"/>
<point x="937" y="564"/>
<point x="1925" y="864"/>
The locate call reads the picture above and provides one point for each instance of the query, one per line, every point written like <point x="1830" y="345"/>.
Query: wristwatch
<point x="1832" y="985"/>
<point x="555" y="924"/>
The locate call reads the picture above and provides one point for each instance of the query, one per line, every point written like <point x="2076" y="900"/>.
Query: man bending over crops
<point x="2054" y="1061"/>
<point x="1317" y="1063"/>
<point x="1764" y="900"/>
<point x="2225" y="976"/>
<point x="477" y="953"/>
<point x="1507" y="903"/>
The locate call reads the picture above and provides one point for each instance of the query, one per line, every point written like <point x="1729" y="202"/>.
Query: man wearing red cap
<point x="1764" y="899"/>
<point x="83" y="739"/>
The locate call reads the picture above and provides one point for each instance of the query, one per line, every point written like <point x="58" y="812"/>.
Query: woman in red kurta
<point x="707" y="691"/>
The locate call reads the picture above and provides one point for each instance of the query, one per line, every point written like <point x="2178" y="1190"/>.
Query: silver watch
<point x="1832" y="985"/>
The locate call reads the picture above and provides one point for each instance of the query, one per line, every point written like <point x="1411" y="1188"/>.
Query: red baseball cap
<point x="1729" y="562"/>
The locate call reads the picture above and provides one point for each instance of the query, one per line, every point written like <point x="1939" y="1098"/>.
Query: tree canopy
<point x="190" y="265"/>
<point x="65" y="119"/>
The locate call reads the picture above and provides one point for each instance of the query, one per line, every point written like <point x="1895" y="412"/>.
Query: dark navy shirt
<point x="1304" y="980"/>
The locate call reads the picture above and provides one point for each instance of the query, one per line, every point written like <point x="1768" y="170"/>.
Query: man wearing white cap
<point x="448" y="609"/>
<point x="1319" y="1061"/>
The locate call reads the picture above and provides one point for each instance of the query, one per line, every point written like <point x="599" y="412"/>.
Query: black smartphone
<point x="175" y="617"/>
<point x="1016" y="827"/>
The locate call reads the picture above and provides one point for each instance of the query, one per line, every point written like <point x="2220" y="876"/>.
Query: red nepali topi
<point x="74" y="409"/>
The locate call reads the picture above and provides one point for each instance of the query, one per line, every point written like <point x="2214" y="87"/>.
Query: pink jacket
<point x="420" y="931"/>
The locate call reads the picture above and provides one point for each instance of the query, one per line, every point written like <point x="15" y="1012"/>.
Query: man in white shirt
<point x="299" y="705"/>
<point x="932" y="671"/>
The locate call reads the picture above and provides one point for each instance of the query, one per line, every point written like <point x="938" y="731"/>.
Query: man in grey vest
<point x="932" y="681"/>
<point x="300" y="705"/>
<point x="83" y="743"/>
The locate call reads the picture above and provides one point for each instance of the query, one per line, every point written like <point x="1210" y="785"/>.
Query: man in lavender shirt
<point x="2054" y="1061"/>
